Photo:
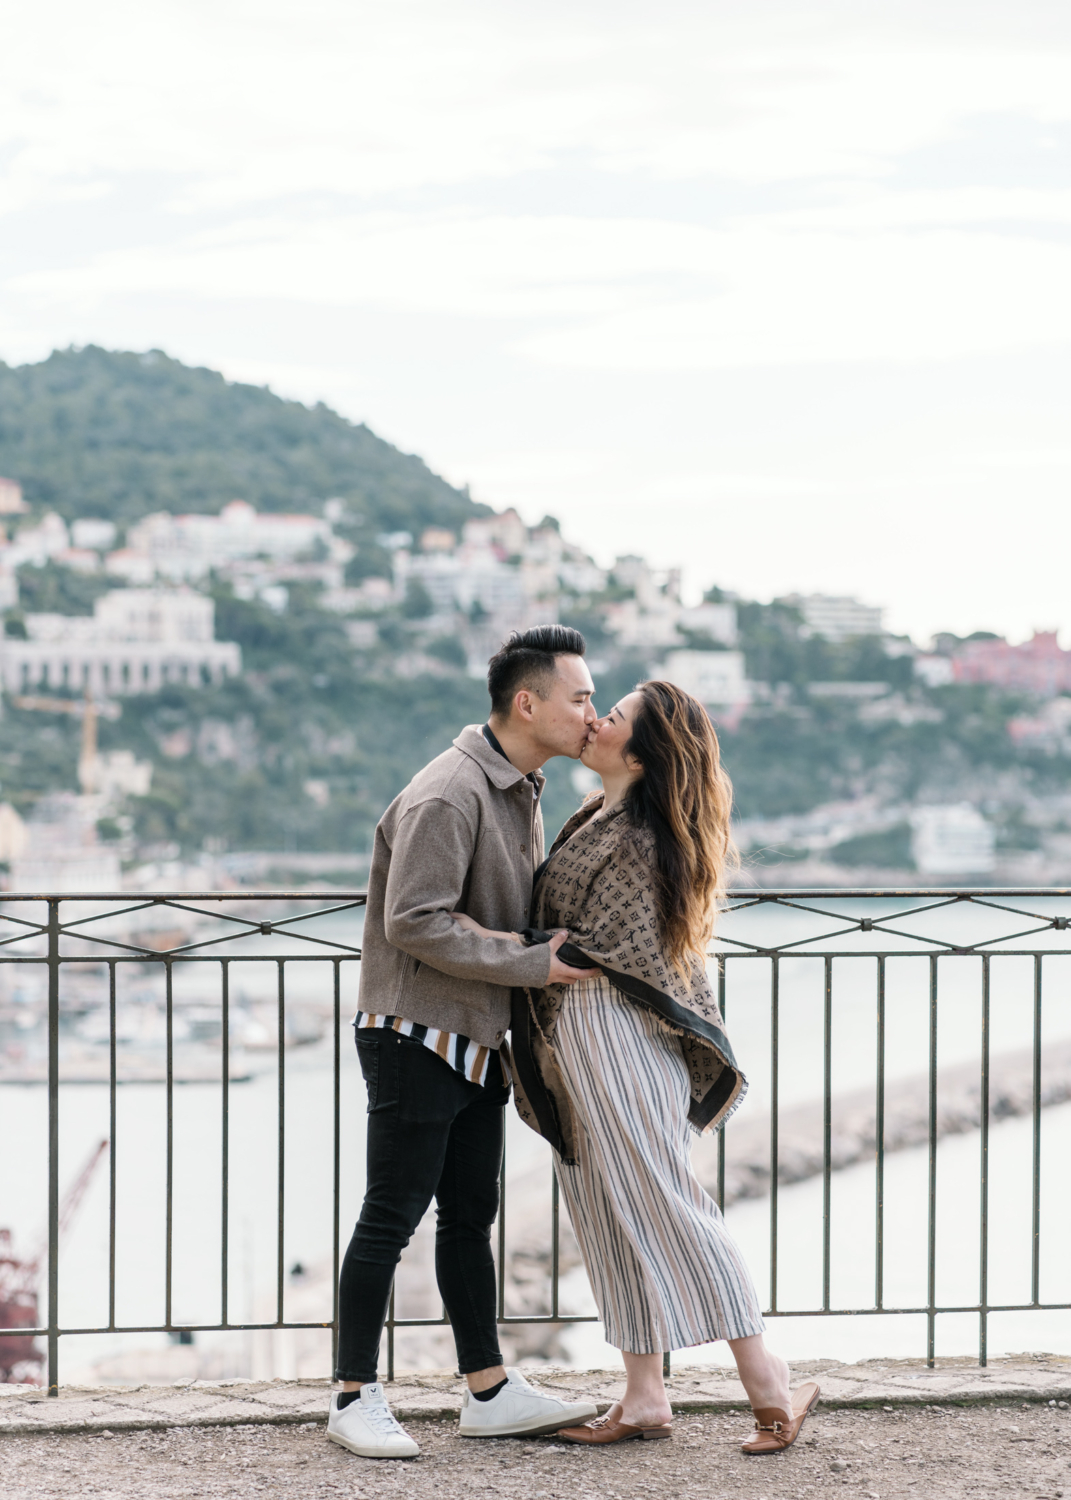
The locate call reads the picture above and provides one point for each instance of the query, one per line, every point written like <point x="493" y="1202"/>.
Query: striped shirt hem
<point x="468" y="1058"/>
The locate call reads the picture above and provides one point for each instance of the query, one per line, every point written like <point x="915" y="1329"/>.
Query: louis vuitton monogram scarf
<point x="598" y="882"/>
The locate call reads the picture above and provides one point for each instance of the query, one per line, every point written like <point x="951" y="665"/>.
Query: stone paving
<point x="997" y="1449"/>
<point x="436" y="1395"/>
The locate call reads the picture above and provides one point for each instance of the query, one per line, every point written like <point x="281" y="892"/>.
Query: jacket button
<point x="498" y="1036"/>
<point x="523" y="847"/>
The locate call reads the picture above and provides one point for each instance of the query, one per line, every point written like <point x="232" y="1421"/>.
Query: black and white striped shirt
<point x="467" y="1058"/>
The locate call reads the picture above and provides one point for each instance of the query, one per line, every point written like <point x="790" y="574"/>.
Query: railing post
<point x="775" y="1044"/>
<point x="827" y="1130"/>
<point x="879" y="1147"/>
<point x="225" y="1143"/>
<point x="336" y="1178"/>
<point x="931" y="1211"/>
<point x="983" y="1185"/>
<point x="53" y="1146"/>
<point x="1035" y="1213"/>
<point x="169" y="1167"/>
<point x="280" y="1243"/>
<point x="112" y="1127"/>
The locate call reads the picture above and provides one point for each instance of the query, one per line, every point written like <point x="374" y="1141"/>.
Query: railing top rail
<point x="736" y="893"/>
<point x="829" y="893"/>
<point x="150" y="897"/>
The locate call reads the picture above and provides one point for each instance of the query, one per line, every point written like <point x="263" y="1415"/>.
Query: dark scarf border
<point x="684" y="1022"/>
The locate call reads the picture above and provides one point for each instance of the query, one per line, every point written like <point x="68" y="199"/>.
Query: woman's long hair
<point x="685" y="799"/>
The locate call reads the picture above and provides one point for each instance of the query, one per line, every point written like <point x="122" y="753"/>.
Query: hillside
<point x="349" y="686"/>
<point x="95" y="432"/>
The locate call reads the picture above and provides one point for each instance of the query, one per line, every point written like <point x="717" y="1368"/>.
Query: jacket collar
<point x="499" y="771"/>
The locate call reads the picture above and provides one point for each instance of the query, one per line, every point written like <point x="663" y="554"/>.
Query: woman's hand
<point x="471" y="925"/>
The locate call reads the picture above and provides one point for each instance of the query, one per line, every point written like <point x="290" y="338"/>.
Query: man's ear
<point x="522" y="703"/>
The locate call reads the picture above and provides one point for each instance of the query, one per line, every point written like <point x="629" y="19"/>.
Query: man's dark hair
<point x="526" y="660"/>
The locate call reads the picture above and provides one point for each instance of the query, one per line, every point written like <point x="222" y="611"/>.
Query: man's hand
<point x="562" y="973"/>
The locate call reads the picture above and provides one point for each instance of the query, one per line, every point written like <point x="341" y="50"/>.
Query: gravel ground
<point x="978" y="1451"/>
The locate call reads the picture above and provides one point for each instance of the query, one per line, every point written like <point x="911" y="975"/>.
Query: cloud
<point x="637" y="294"/>
<point x="719" y="263"/>
<point x="243" y="104"/>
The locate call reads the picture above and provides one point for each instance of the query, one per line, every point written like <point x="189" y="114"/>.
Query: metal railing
<point x="768" y="944"/>
<point x="981" y="927"/>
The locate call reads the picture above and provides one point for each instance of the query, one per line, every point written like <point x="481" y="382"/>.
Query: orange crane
<point x="88" y="710"/>
<point x="19" y="1360"/>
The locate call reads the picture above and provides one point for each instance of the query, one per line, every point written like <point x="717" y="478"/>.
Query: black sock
<point x="492" y="1393"/>
<point x="345" y="1397"/>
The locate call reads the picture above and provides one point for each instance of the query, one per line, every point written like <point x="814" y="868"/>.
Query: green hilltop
<point x="92" y="432"/>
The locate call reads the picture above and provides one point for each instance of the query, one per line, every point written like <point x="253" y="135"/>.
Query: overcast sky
<point x="781" y="292"/>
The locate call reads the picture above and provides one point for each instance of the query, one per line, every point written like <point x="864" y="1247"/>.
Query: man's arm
<point x="561" y="972"/>
<point x="430" y="858"/>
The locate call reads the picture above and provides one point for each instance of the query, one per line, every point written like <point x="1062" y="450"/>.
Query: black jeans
<point x="431" y="1134"/>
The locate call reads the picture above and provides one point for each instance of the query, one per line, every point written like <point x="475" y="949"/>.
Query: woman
<point x="614" y="1070"/>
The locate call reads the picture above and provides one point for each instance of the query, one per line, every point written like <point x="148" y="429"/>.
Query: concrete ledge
<point x="435" y="1395"/>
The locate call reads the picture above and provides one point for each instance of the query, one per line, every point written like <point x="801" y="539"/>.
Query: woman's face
<point x="609" y="736"/>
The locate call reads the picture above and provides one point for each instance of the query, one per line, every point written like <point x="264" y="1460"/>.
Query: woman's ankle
<point x="763" y="1374"/>
<point x="645" y="1413"/>
<point x="772" y="1387"/>
<point x="645" y="1403"/>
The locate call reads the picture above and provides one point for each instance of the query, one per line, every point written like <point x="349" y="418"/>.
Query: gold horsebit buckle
<point x="774" y="1427"/>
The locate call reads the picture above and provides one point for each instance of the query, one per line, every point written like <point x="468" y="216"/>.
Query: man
<point x="466" y="835"/>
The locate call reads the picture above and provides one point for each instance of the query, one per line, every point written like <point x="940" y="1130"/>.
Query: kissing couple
<point x="594" y="960"/>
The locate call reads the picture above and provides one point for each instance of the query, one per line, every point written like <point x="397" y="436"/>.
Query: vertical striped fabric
<point x="664" y="1271"/>
<point x="467" y="1058"/>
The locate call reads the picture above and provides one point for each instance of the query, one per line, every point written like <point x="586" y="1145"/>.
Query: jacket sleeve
<point x="430" y="858"/>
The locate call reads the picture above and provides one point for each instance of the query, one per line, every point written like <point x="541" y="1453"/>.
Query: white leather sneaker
<point x="368" y="1426"/>
<point x="520" y="1410"/>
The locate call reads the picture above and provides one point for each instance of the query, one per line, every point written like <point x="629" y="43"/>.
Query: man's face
<point x="562" y="720"/>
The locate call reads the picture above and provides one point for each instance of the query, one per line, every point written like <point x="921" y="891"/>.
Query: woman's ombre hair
<point x="685" y="799"/>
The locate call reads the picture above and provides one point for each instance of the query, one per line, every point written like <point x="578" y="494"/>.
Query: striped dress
<point x="664" y="1270"/>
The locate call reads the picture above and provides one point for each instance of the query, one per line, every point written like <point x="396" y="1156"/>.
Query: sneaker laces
<point x="379" y="1415"/>
<point x="533" y="1392"/>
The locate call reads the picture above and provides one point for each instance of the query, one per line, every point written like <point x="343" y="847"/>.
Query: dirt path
<point x="1022" y="1451"/>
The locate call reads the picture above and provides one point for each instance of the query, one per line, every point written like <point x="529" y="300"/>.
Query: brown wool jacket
<point x="598" y="883"/>
<point x="465" y="835"/>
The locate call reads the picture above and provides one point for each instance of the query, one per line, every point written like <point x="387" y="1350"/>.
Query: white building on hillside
<point x="11" y="501"/>
<point x="134" y="642"/>
<point x="952" y="840"/>
<point x="62" y="850"/>
<point x="38" y="544"/>
<point x="718" y="621"/>
<point x="190" y="546"/>
<point x="716" y="678"/>
<point x="836" y="617"/>
<point x="93" y="533"/>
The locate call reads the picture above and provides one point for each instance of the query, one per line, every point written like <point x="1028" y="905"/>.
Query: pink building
<point x="1038" y="666"/>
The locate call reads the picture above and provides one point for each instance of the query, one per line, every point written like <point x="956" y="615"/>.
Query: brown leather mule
<point x="775" y="1429"/>
<point x="603" y="1430"/>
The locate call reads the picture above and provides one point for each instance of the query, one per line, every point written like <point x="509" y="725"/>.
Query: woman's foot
<point x="640" y="1413"/>
<point x="645" y="1403"/>
<point x="776" y="1428"/>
